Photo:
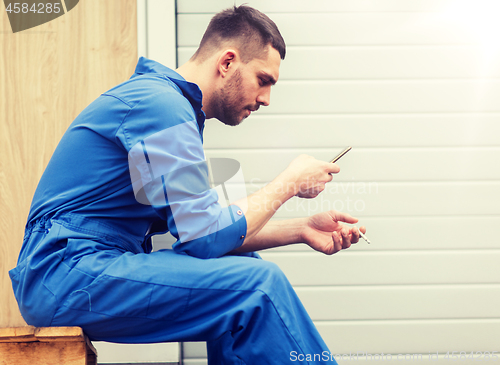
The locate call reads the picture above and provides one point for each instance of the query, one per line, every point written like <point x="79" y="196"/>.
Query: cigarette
<point x="363" y="236"/>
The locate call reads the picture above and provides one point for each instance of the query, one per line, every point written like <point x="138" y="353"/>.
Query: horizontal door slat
<point x="389" y="268"/>
<point x="324" y="6"/>
<point x="356" y="28"/>
<point x="388" y="164"/>
<point x="412" y="337"/>
<point x="401" y="302"/>
<point x="379" y="199"/>
<point x="367" y="130"/>
<point x="382" y="62"/>
<point x="403" y="96"/>
<point x="400" y="234"/>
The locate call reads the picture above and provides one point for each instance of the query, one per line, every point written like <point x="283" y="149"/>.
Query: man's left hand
<point x="325" y="232"/>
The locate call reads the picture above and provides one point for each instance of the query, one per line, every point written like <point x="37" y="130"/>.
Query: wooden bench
<point x="45" y="346"/>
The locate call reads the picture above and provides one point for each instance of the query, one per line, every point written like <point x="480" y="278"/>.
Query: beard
<point x="229" y="101"/>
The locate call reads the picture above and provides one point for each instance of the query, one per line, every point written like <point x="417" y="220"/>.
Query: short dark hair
<point x="250" y="30"/>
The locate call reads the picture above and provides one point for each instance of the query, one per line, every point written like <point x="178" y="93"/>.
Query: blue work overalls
<point x="132" y="165"/>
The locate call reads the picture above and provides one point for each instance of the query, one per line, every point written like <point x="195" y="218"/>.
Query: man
<point x="131" y="165"/>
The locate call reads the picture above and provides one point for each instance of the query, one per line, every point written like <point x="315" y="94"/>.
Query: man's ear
<point x="226" y="61"/>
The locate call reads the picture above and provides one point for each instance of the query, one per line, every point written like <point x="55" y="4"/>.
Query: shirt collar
<point x="191" y="91"/>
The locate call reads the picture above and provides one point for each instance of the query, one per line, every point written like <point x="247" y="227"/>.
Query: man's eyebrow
<point x="269" y="78"/>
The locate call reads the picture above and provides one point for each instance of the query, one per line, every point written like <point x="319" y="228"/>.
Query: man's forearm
<point x="274" y="234"/>
<point x="260" y="206"/>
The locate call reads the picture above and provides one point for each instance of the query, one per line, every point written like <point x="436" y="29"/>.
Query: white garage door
<point x="414" y="87"/>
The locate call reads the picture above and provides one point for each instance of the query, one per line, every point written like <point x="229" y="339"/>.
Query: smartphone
<point x="340" y="154"/>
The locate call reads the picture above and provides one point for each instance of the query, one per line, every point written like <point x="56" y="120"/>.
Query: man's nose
<point x="264" y="98"/>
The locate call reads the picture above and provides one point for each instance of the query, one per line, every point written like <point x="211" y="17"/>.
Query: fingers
<point x="337" y="242"/>
<point x="311" y="192"/>
<point x="344" y="217"/>
<point x="346" y="241"/>
<point x="312" y="176"/>
<point x="332" y="168"/>
<point x="341" y="239"/>
<point x="345" y="237"/>
<point x="354" y="235"/>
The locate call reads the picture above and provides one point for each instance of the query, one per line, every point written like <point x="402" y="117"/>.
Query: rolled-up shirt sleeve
<point x="168" y="171"/>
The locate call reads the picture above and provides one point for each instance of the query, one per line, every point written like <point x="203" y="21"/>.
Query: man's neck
<point x="200" y="75"/>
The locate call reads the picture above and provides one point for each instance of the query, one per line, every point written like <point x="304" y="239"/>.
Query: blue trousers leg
<point x="244" y="307"/>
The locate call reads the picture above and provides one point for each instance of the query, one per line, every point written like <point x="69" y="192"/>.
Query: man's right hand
<point x="309" y="175"/>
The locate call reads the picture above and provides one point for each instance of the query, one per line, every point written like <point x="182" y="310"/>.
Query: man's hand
<point x="311" y="175"/>
<point x="325" y="233"/>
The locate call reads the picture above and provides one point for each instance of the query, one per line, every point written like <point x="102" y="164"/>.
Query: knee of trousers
<point x="268" y="279"/>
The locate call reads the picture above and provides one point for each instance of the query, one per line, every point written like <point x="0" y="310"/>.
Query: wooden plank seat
<point x="45" y="345"/>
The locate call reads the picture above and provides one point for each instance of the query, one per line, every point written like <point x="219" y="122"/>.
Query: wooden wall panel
<point x="48" y="74"/>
